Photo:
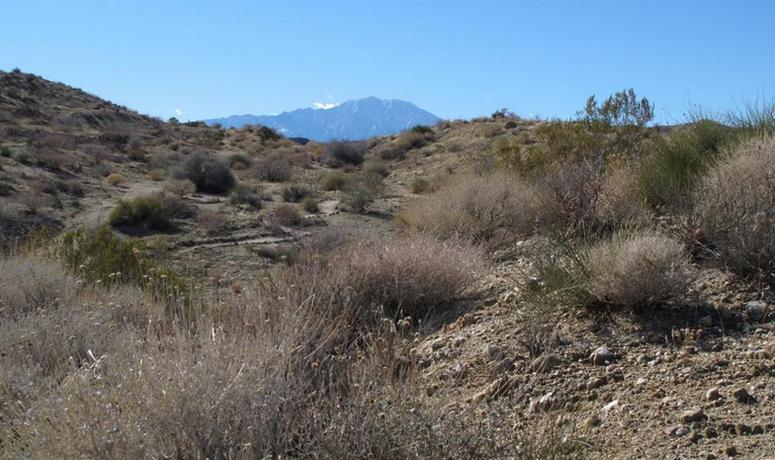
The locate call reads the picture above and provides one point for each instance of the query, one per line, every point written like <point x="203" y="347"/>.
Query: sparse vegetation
<point x="115" y="179"/>
<point x="310" y="205"/>
<point x="149" y="213"/>
<point x="295" y="192"/>
<point x="335" y="180"/>
<point x="273" y="168"/>
<point x="245" y="194"/>
<point x="286" y="215"/>
<point x="362" y="191"/>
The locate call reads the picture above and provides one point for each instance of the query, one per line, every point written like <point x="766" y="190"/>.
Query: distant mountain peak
<point x="352" y="119"/>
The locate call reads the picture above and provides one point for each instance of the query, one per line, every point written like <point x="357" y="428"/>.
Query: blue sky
<point x="457" y="59"/>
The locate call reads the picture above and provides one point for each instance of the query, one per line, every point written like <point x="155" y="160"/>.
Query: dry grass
<point x="736" y="203"/>
<point x="115" y="179"/>
<point x="638" y="270"/>
<point x="493" y="209"/>
<point x="32" y="283"/>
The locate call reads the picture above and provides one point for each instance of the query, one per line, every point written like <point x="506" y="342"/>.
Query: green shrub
<point x="239" y="161"/>
<point x="246" y="194"/>
<point x="295" y="192"/>
<point x="376" y="166"/>
<point x="208" y="173"/>
<point x="736" y="204"/>
<point x="678" y="163"/>
<point x="361" y="192"/>
<point x="149" y="213"/>
<point x="335" y="180"/>
<point x="310" y="205"/>
<point x="286" y="215"/>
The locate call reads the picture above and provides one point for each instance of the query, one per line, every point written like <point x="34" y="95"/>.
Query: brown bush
<point x="736" y="203"/>
<point x="638" y="270"/>
<point x="286" y="215"/>
<point x="274" y="167"/>
<point x="115" y="179"/>
<point x="210" y="221"/>
<point x="492" y="209"/>
<point x="32" y="283"/>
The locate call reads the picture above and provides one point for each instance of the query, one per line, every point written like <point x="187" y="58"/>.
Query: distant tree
<point x="620" y="109"/>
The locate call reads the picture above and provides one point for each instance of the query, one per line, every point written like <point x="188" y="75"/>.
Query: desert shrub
<point x="571" y="190"/>
<point x="421" y="186"/>
<point x="210" y="221"/>
<point x="410" y="276"/>
<point x="736" y="204"/>
<point x="246" y="194"/>
<point x="274" y="167"/>
<point x="412" y="139"/>
<point x="157" y="174"/>
<point x="620" y="109"/>
<point x="619" y="202"/>
<point x="335" y="180"/>
<point x="180" y="187"/>
<point x="375" y="166"/>
<point x="678" y="163"/>
<point x="295" y="192"/>
<point x="634" y="270"/>
<point x="517" y="155"/>
<point x="146" y="213"/>
<point x="208" y="173"/>
<point x="493" y="209"/>
<point x="755" y="119"/>
<point x="345" y="152"/>
<point x="115" y="179"/>
<point x="239" y="161"/>
<point x="268" y="134"/>
<point x="310" y="205"/>
<point x="29" y="283"/>
<point x="362" y="190"/>
<point x="286" y="215"/>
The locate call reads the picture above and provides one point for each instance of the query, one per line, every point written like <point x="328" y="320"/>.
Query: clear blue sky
<point x="457" y="59"/>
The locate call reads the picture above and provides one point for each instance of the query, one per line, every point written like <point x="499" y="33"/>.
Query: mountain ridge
<point x="353" y="119"/>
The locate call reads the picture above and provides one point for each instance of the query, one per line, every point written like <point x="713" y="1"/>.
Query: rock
<point x="503" y="366"/>
<point x="705" y="321"/>
<point x="681" y="430"/>
<point x="596" y="382"/>
<point x="612" y="405"/>
<point x="601" y="356"/>
<point x="744" y="429"/>
<point x="494" y="390"/>
<point x="731" y="451"/>
<point x="710" y="432"/>
<point x="712" y="394"/>
<point x="755" y="310"/>
<point x="757" y="429"/>
<point x="544" y="403"/>
<point x="437" y="344"/>
<point x="693" y="415"/>
<point x="742" y="396"/>
<point x="545" y="363"/>
<point x="458" y="340"/>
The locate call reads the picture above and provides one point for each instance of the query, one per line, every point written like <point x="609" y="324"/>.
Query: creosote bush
<point x="736" y="206"/>
<point x="209" y="173"/>
<point x="340" y="153"/>
<point x="274" y="167"/>
<point x="362" y="190"/>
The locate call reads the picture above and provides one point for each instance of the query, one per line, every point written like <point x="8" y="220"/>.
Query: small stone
<point x="710" y="432"/>
<point x="743" y="429"/>
<point x="755" y="310"/>
<point x="601" y="356"/>
<point x="731" y="451"/>
<point x="694" y="437"/>
<point x="757" y="429"/>
<point x="437" y="344"/>
<point x="705" y="321"/>
<point x="612" y="405"/>
<point x="693" y="415"/>
<point x="545" y="363"/>
<point x="742" y="396"/>
<point x="596" y="382"/>
<point x="430" y="390"/>
<point x="712" y="394"/>
<point x="682" y="430"/>
<point x="543" y="403"/>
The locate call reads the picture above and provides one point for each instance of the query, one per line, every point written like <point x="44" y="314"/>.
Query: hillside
<point x="353" y="120"/>
<point x="493" y="288"/>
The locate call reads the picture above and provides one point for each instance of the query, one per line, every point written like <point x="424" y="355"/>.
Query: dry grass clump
<point x="335" y="180"/>
<point x="274" y="167"/>
<point x="638" y="270"/>
<point x="736" y="203"/>
<point x="633" y="270"/>
<point x="247" y="195"/>
<point x="295" y="192"/>
<point x="287" y="215"/>
<point x="115" y="179"/>
<point x="493" y="208"/>
<point x="410" y="276"/>
<point x="619" y="202"/>
<point x="211" y="221"/>
<point x="179" y="187"/>
<point x="30" y="283"/>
